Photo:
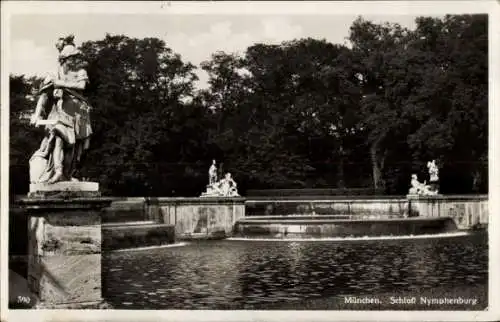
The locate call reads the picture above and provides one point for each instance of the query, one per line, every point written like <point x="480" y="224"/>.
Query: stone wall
<point x="63" y="248"/>
<point x="314" y="192"/>
<point x="125" y="209"/>
<point x="64" y="265"/>
<point x="381" y="207"/>
<point x="467" y="211"/>
<point x="197" y="217"/>
<point x="329" y="227"/>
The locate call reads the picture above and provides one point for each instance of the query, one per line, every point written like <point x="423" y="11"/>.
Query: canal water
<point x="400" y="274"/>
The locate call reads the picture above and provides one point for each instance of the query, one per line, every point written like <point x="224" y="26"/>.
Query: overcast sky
<point x="196" y="30"/>
<point x="194" y="37"/>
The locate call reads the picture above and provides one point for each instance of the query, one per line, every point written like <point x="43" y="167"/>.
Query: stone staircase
<point x="124" y="226"/>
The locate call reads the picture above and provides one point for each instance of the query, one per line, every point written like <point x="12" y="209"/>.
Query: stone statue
<point x="418" y="188"/>
<point x="433" y="175"/>
<point x="226" y="187"/>
<point x="212" y="174"/>
<point x="68" y="127"/>
<point x="433" y="171"/>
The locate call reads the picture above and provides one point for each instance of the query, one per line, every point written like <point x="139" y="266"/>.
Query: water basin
<point x="291" y="275"/>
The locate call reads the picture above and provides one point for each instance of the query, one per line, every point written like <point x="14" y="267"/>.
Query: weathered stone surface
<point x="68" y="189"/>
<point x="70" y="233"/>
<point x="63" y="194"/>
<point x="64" y="246"/>
<point x="195" y="216"/>
<point x="52" y="204"/>
<point x="304" y="227"/>
<point x="347" y="206"/>
<point x="65" y="186"/>
<point x="468" y="212"/>
<point x="70" y="279"/>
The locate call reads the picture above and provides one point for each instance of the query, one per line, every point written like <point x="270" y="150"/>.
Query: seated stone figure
<point x="418" y="188"/>
<point x="226" y="187"/>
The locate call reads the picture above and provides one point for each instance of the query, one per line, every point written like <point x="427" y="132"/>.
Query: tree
<point x="303" y="113"/>
<point x="424" y="94"/>
<point x="24" y="139"/>
<point x="139" y="88"/>
<point x="284" y="109"/>
<point x="379" y="58"/>
<point x="453" y="98"/>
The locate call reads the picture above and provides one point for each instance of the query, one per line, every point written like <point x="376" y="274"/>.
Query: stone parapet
<point x="64" y="189"/>
<point x="64" y="249"/>
<point x="195" y="218"/>
<point x="467" y="211"/>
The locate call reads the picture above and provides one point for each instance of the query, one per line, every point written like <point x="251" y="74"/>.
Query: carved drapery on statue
<point x="433" y="175"/>
<point x="424" y="189"/>
<point x="212" y="174"/>
<point x="68" y="127"/>
<point x="225" y="187"/>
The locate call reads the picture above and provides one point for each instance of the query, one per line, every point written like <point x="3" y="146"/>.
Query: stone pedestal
<point x="210" y="192"/>
<point x="423" y="197"/>
<point x="194" y="218"/>
<point x="64" y="189"/>
<point x="434" y="186"/>
<point x="64" y="247"/>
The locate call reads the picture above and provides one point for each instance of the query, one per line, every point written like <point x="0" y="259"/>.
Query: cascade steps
<point x="124" y="226"/>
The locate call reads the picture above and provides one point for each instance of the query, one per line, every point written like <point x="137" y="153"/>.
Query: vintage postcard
<point x="208" y="161"/>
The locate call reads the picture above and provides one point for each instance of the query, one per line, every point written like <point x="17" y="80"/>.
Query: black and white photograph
<point x="250" y="157"/>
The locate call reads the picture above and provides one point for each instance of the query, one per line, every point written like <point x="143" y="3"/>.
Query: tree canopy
<point x="305" y="113"/>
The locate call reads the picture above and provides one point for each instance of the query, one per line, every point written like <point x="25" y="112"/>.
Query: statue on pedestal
<point x="418" y="188"/>
<point x="212" y="173"/>
<point x="68" y="127"/>
<point x="225" y="187"/>
<point x="433" y="175"/>
<point x="228" y="186"/>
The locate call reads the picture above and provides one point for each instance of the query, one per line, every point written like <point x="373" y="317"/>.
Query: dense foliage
<point x="305" y="113"/>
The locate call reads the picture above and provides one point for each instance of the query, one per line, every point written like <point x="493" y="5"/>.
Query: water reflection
<point x="266" y="274"/>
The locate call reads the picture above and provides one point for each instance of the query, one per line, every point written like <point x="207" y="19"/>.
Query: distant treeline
<point x="302" y="114"/>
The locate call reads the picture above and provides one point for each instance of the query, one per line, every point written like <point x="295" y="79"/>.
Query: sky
<point x="194" y="36"/>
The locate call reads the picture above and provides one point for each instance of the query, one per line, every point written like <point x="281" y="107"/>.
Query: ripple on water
<point x="239" y="275"/>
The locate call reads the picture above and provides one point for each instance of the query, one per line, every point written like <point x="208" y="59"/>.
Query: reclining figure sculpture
<point x="225" y="187"/>
<point x="422" y="189"/>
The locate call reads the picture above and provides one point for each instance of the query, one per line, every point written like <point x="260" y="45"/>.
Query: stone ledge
<point x="62" y="203"/>
<point x="424" y="197"/>
<point x="63" y="194"/>
<point x="65" y="186"/>
<point x="195" y="200"/>
<point x="64" y="189"/>
<point x="325" y="200"/>
<point x="471" y="197"/>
